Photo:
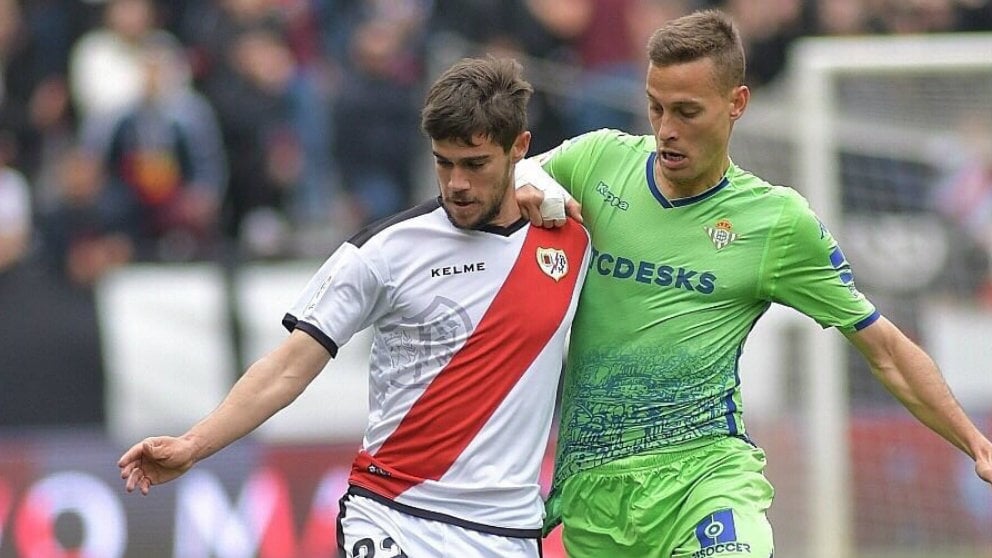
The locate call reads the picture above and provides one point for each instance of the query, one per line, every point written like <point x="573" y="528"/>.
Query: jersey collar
<point x="503" y="230"/>
<point x="665" y="202"/>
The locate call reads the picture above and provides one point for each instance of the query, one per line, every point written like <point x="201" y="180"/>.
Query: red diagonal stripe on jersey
<point x="521" y="319"/>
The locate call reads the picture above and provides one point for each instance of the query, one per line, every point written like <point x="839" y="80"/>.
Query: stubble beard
<point x="490" y="212"/>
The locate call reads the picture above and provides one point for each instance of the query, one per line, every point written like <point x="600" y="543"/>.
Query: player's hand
<point x="155" y="461"/>
<point x="983" y="466"/>
<point x="573" y="209"/>
<point x="544" y="211"/>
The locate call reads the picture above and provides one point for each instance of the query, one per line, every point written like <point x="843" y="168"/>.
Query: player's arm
<point x="541" y="198"/>
<point x="270" y="384"/>
<point x="914" y="379"/>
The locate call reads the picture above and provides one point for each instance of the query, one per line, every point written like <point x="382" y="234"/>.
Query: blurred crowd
<point x="174" y="130"/>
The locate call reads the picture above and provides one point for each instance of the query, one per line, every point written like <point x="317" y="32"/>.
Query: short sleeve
<point x="807" y="271"/>
<point x="341" y="299"/>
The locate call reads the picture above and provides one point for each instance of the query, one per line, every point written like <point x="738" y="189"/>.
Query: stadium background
<point x="314" y="103"/>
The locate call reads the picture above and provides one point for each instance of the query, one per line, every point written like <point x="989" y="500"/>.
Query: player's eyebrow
<point x="474" y="159"/>
<point x="675" y="104"/>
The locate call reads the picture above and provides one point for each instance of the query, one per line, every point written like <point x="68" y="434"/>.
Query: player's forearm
<point x="909" y="373"/>
<point x="264" y="389"/>
<point x="914" y="379"/>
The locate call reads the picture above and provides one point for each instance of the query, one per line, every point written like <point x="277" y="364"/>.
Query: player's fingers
<point x="145" y="484"/>
<point x="526" y="213"/>
<point x="573" y="209"/>
<point x="529" y="200"/>
<point x="132" y="480"/>
<point x="131" y="455"/>
<point x="984" y="471"/>
<point x="127" y="468"/>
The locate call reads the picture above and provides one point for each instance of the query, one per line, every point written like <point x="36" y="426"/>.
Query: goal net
<point x="890" y="138"/>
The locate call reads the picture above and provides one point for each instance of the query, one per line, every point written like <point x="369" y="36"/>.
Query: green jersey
<point x="672" y="291"/>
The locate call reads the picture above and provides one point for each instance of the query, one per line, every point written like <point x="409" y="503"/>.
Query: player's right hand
<point x="543" y="209"/>
<point x="155" y="461"/>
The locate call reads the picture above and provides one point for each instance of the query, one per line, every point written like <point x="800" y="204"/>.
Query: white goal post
<point x="815" y="65"/>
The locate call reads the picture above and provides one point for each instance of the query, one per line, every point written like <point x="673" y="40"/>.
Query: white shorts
<point x="367" y="528"/>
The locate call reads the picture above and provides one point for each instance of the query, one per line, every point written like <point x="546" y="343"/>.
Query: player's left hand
<point x="983" y="466"/>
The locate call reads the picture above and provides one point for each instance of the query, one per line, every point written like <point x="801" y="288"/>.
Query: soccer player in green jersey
<point x="689" y="250"/>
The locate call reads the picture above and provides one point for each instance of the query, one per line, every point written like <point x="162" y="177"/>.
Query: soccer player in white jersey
<point x="462" y="382"/>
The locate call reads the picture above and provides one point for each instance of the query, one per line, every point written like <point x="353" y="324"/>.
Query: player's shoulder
<point x="756" y="186"/>
<point x="383" y="230"/>
<point x="570" y="236"/>
<point x="573" y="228"/>
<point x="607" y="139"/>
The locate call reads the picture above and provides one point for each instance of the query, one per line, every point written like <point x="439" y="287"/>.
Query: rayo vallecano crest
<point x="553" y="262"/>
<point x="721" y="233"/>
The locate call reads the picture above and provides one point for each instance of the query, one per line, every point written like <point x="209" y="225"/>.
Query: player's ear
<point x="520" y="146"/>
<point x="739" y="98"/>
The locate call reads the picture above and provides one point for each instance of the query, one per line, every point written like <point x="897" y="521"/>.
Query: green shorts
<point x="708" y="502"/>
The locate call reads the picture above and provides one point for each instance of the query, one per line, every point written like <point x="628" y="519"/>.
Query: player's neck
<point x="677" y="189"/>
<point x="508" y="213"/>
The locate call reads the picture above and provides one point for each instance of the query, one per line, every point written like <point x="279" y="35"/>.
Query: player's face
<point x="476" y="180"/>
<point x="692" y="118"/>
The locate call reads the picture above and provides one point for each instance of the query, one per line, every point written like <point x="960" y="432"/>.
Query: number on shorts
<point x="365" y="548"/>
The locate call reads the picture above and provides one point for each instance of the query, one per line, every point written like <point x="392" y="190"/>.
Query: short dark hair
<point x="486" y="96"/>
<point x="702" y="34"/>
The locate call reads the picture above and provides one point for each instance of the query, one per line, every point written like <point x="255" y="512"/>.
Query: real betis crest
<point x="721" y="233"/>
<point x="553" y="262"/>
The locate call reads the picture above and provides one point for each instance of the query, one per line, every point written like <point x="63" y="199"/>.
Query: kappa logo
<point x="721" y="233"/>
<point x="611" y="198"/>
<point x="553" y="262"/>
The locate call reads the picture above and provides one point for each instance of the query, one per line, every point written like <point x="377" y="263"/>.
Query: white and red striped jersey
<point x="469" y="336"/>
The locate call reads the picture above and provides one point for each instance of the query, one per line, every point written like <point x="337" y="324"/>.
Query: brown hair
<point x="702" y="34"/>
<point x="485" y="96"/>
